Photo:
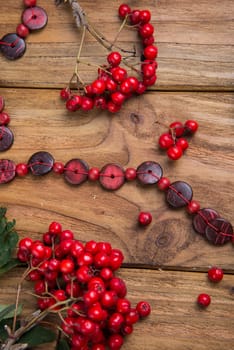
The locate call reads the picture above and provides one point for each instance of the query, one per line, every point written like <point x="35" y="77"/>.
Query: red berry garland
<point x="13" y="45"/>
<point x="113" y="86"/>
<point x="78" y="282"/>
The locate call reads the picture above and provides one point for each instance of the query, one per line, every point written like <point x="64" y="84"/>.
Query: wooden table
<point x="166" y="262"/>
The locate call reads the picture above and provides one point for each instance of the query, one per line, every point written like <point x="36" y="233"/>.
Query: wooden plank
<point x="94" y="213"/>
<point x="195" y="44"/>
<point x="175" y="322"/>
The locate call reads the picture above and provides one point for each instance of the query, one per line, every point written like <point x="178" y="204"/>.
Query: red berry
<point x="98" y="86"/>
<point x="114" y="58"/>
<point x="174" y="152"/>
<point x="21" y="169"/>
<point x="165" y="141"/>
<point x="203" y="300"/>
<point x="115" y="341"/>
<point x="183" y="143"/>
<point x="115" y="322"/>
<point x="191" y="126"/>
<point x="67" y="266"/>
<point x="99" y="102"/>
<point x="66" y="234"/>
<point x="141" y="88"/>
<point x="144" y="218"/>
<point x="4" y="118"/>
<point x="163" y="183"/>
<point x="150" y="52"/>
<point x="59" y="295"/>
<point x="111" y="85"/>
<point x="148" y="41"/>
<point x="135" y="17"/>
<point x="58" y="168"/>
<point x="124" y="10"/>
<point x="146" y="30"/>
<point x="55" y="227"/>
<point x="143" y="308"/>
<point x="22" y="30"/>
<point x="215" y="274"/>
<point x="123" y="306"/>
<point x="150" y="81"/>
<point x="145" y="16"/>
<point x="130" y="174"/>
<point x="87" y="103"/>
<point x="65" y="93"/>
<point x="117" y="98"/>
<point x="38" y="250"/>
<point x="25" y="243"/>
<point x="113" y="107"/>
<point x="148" y="70"/>
<point x="177" y="128"/>
<point x="94" y="174"/>
<point x="119" y="74"/>
<point x="132" y="317"/>
<point x="193" y="207"/>
<point x="30" y="3"/>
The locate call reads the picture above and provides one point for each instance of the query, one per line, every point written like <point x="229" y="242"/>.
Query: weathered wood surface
<point x="195" y="40"/>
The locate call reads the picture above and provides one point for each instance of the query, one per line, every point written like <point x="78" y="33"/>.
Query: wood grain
<point x="195" y="43"/>
<point x="166" y="262"/>
<point x="127" y="140"/>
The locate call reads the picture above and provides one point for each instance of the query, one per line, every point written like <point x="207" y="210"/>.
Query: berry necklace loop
<point x="12" y="45"/>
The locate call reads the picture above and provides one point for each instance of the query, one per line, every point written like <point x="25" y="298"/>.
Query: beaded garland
<point x="12" y="45"/>
<point x="206" y="221"/>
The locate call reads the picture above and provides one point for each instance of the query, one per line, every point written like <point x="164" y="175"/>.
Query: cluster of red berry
<point x="173" y="141"/>
<point x="215" y="274"/>
<point x="113" y="85"/>
<point x="80" y="279"/>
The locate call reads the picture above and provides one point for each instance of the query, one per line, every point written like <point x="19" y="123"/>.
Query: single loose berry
<point x="144" y="218"/>
<point x="203" y="300"/>
<point x="143" y="308"/>
<point x="215" y="274"/>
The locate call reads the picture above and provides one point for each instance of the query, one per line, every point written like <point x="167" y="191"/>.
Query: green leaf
<point x="10" y="265"/>
<point x="10" y="313"/>
<point x="8" y="238"/>
<point x="38" y="335"/>
<point x="62" y="345"/>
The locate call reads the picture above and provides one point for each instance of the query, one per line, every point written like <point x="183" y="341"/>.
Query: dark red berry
<point x="177" y="128"/>
<point x="191" y="126"/>
<point x="144" y="218"/>
<point x="193" y="207"/>
<point x="146" y="30"/>
<point x="30" y="3"/>
<point x="22" y="30"/>
<point x="144" y="16"/>
<point x="21" y="169"/>
<point x="4" y="118"/>
<point x="143" y="308"/>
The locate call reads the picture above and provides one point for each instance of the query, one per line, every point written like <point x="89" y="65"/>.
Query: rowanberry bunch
<point x="78" y="282"/>
<point x="174" y="141"/>
<point x="113" y="85"/>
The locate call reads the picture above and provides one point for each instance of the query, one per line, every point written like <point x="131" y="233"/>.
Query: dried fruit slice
<point x="149" y="173"/>
<point x="219" y="231"/>
<point x="7" y="170"/>
<point x="12" y="46"/>
<point x="76" y="171"/>
<point x="202" y="218"/>
<point x="112" y="177"/>
<point x="6" y="138"/>
<point x="41" y="163"/>
<point x="34" y="18"/>
<point x="179" y="194"/>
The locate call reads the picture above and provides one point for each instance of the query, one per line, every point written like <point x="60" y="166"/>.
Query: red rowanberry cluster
<point x="80" y="279"/>
<point x="113" y="85"/>
<point x="174" y="141"/>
